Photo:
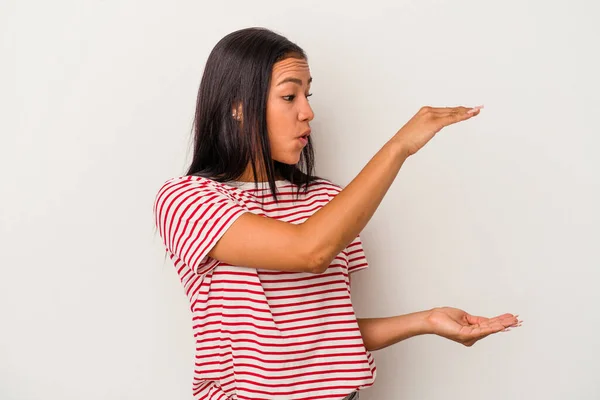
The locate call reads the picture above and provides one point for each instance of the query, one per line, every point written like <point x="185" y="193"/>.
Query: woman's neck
<point x="261" y="176"/>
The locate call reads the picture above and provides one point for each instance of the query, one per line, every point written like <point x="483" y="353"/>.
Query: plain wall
<point x="498" y="214"/>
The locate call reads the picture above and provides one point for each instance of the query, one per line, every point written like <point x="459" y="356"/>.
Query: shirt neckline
<point x="253" y="185"/>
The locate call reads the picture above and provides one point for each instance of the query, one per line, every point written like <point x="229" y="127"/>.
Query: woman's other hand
<point x="466" y="329"/>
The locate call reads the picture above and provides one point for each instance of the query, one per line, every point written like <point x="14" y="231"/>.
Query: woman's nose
<point x="306" y="112"/>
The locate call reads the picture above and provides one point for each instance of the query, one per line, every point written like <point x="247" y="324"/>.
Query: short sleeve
<point x="357" y="259"/>
<point x="192" y="214"/>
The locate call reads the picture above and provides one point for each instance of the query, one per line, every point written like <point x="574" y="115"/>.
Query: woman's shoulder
<point x="193" y="180"/>
<point x="192" y="183"/>
<point x="325" y="185"/>
<point x="208" y="185"/>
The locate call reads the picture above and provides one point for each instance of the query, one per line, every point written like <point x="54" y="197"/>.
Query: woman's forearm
<point x="329" y="230"/>
<point x="378" y="333"/>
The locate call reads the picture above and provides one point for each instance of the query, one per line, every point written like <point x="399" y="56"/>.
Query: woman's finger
<point x="453" y="118"/>
<point x="503" y="319"/>
<point x="454" y="110"/>
<point x="499" y="324"/>
<point x="474" y="319"/>
<point x="475" y="109"/>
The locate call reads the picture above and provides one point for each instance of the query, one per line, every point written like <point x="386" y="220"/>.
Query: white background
<point x="498" y="214"/>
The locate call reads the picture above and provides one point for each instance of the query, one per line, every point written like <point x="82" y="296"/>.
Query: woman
<point x="265" y="249"/>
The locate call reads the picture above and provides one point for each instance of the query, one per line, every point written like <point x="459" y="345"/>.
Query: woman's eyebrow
<point x="294" y="80"/>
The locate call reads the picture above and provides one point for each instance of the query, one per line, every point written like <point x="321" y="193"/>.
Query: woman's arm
<point x="378" y="333"/>
<point x="447" y="322"/>
<point x="258" y="242"/>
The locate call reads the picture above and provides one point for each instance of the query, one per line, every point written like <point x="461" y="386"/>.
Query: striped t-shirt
<point x="262" y="334"/>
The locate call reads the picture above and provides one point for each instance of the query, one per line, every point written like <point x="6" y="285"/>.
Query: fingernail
<point x="474" y="109"/>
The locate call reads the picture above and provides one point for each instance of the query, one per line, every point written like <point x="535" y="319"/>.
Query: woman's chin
<point x="291" y="159"/>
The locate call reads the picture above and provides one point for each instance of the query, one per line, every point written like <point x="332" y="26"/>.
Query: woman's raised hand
<point x="423" y="126"/>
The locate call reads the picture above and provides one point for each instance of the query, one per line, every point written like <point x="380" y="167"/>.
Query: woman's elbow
<point x="317" y="262"/>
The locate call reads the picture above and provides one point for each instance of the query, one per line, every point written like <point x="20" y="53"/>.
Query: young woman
<point x="265" y="249"/>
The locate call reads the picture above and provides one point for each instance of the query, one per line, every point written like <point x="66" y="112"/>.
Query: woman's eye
<point x="291" y="97"/>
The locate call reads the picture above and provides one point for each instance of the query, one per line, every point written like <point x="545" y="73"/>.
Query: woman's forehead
<point x="291" y="67"/>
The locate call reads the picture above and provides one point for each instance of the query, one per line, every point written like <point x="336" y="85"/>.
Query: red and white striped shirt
<point x="262" y="334"/>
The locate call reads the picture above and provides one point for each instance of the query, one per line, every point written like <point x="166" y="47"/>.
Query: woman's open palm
<point x="461" y="327"/>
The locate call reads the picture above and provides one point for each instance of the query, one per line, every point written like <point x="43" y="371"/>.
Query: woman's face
<point x="288" y="111"/>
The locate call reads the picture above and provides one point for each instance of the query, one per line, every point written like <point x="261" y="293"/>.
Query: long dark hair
<point x="238" y="73"/>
